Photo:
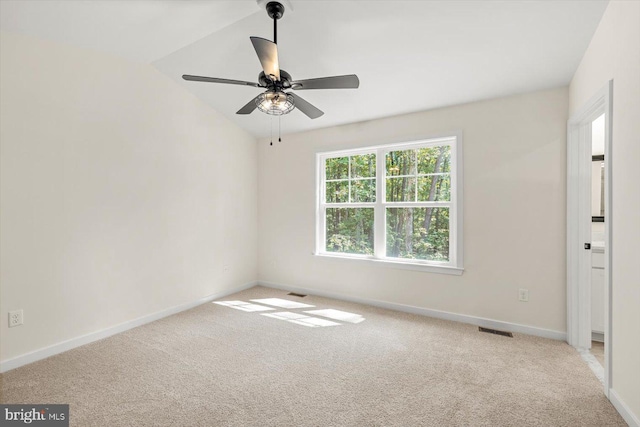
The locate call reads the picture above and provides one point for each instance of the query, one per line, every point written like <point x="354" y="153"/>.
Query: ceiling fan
<point x="275" y="100"/>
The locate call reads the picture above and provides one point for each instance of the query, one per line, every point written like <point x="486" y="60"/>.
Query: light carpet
<point x="219" y="366"/>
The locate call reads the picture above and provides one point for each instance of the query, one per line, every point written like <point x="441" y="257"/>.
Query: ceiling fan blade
<point x="217" y="80"/>
<point x="310" y="110"/>
<point x="336" y="82"/>
<point x="249" y="107"/>
<point x="268" y="55"/>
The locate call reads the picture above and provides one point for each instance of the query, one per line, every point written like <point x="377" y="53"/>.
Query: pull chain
<point x="279" y="139"/>
<point x="271" y="123"/>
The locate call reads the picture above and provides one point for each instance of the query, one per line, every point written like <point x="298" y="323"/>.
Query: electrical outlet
<point x="523" y="295"/>
<point x="15" y="318"/>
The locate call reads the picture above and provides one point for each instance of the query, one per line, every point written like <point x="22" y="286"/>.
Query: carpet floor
<point x="226" y="365"/>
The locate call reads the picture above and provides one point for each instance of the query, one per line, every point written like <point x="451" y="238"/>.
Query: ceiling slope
<point x="409" y="55"/>
<point x="139" y="30"/>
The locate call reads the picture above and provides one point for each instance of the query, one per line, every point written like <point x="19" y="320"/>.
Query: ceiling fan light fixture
<point x="275" y="103"/>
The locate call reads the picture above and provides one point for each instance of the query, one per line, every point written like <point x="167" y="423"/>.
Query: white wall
<point x="122" y="194"/>
<point x="514" y="211"/>
<point x="614" y="53"/>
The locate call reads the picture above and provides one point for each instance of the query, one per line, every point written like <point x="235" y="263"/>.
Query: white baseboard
<point x="43" y="353"/>
<point x="473" y="320"/>
<point x="622" y="408"/>
<point x="597" y="336"/>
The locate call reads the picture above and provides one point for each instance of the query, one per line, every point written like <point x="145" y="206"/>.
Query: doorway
<point x="598" y="218"/>
<point x="589" y="231"/>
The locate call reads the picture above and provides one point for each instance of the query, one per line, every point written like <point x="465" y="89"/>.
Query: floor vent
<point x="296" y="295"/>
<point x="496" y="332"/>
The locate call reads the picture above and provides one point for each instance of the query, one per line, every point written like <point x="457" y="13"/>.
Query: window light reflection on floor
<point x="337" y="315"/>
<point x="244" y="306"/>
<point x="301" y="319"/>
<point x="282" y="303"/>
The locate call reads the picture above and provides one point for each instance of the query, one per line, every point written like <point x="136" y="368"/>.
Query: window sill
<point x="430" y="268"/>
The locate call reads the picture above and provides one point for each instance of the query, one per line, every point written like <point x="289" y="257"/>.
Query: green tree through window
<point x="350" y="180"/>
<point x="404" y="208"/>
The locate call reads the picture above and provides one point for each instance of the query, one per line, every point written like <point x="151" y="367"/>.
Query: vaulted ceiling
<point x="409" y="55"/>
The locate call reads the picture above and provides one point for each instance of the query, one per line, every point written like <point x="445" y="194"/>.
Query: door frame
<point x="579" y="225"/>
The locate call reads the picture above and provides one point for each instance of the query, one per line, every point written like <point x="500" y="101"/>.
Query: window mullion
<point x="321" y="212"/>
<point x="379" y="249"/>
<point x="415" y="176"/>
<point x="418" y="204"/>
<point x="453" y="210"/>
<point x="349" y="177"/>
<point x="349" y="205"/>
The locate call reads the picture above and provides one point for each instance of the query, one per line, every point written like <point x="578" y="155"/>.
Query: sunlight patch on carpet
<point x="282" y="303"/>
<point x="344" y="316"/>
<point x="301" y="319"/>
<point x="304" y="318"/>
<point x="244" y="306"/>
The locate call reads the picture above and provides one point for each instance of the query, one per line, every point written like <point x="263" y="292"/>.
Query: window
<point x="398" y="204"/>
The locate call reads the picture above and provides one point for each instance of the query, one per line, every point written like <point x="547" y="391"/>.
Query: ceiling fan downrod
<point x="275" y="10"/>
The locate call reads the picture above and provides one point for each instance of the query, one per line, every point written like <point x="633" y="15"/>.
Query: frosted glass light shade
<point x="275" y="103"/>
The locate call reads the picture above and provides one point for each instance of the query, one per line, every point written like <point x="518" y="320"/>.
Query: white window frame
<point x="455" y="263"/>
